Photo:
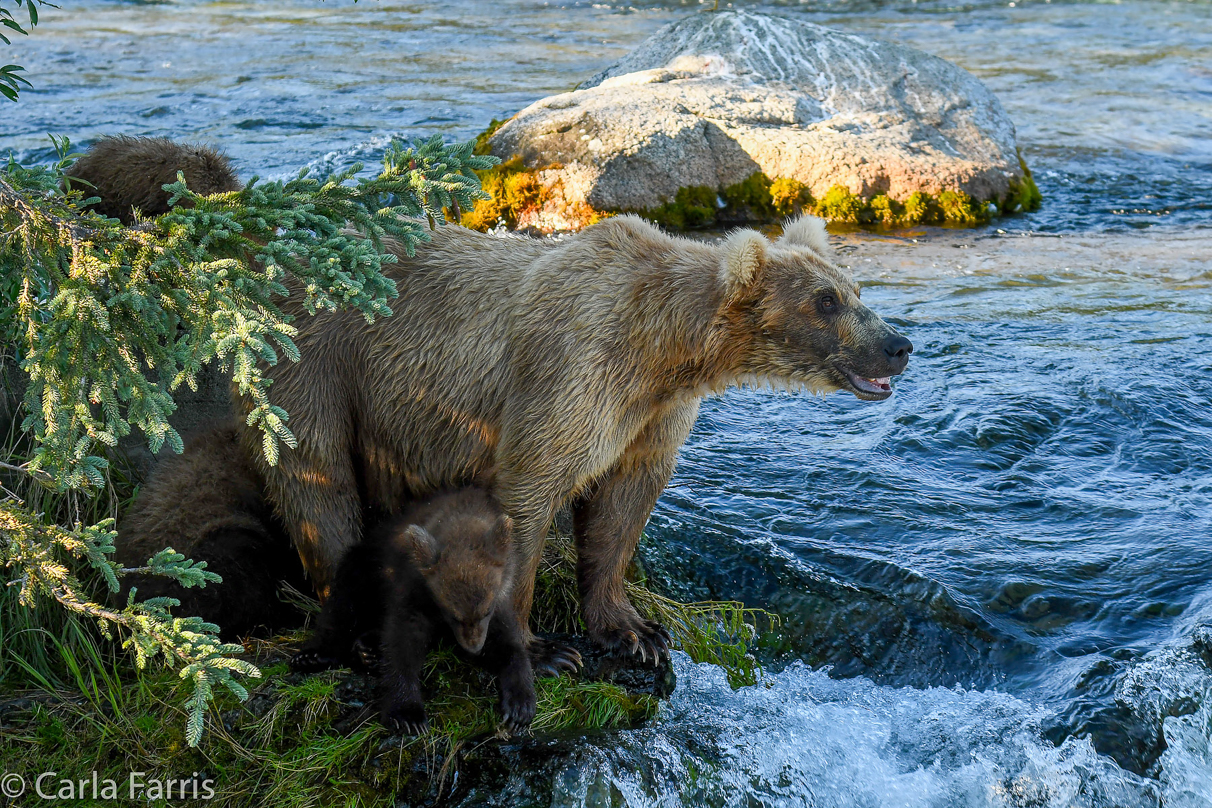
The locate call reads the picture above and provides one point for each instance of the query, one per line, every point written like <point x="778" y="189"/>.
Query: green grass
<point x="313" y="740"/>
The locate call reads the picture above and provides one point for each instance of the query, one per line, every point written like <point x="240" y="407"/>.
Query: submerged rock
<point x="716" y="98"/>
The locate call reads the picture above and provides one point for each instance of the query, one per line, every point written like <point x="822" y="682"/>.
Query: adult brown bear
<point x="557" y="372"/>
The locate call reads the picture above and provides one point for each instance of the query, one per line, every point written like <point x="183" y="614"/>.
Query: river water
<point x="997" y="586"/>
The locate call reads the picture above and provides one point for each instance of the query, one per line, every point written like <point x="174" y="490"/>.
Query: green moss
<point x="960" y="208"/>
<point x="693" y="207"/>
<point x="921" y="208"/>
<point x="512" y="188"/>
<point x="790" y="197"/>
<point x="840" y="205"/>
<point x="886" y="210"/>
<point x="750" y="199"/>
<point x="1024" y="195"/>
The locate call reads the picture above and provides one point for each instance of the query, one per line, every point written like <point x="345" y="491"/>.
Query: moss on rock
<point x="790" y="197"/>
<point x="512" y="189"/>
<point x="920" y="208"/>
<point x="1024" y="195"/>
<point x="519" y="193"/>
<point x="692" y="208"/>
<point x="886" y="210"/>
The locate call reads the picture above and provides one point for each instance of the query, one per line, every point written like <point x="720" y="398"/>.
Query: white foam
<point x="803" y="739"/>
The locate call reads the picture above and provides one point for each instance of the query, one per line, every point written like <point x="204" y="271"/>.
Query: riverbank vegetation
<point x="103" y="325"/>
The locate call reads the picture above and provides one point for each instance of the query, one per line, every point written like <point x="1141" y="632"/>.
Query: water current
<point x="997" y="586"/>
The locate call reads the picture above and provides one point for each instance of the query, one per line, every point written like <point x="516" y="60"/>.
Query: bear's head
<point x="467" y="569"/>
<point x="805" y="326"/>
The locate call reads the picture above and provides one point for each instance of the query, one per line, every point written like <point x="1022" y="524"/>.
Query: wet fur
<point x="558" y="373"/>
<point x="414" y="592"/>
<point x="208" y="504"/>
<point x="128" y="174"/>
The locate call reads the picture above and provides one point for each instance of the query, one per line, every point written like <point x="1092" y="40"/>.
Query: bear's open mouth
<point x="872" y="389"/>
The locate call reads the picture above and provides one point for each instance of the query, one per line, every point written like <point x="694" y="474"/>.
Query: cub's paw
<point x="406" y="718"/>
<point x="646" y="639"/>
<point x="551" y="658"/>
<point x="313" y="660"/>
<point x="517" y="708"/>
<point x="366" y="651"/>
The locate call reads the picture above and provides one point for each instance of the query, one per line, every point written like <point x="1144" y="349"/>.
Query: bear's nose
<point x="897" y="349"/>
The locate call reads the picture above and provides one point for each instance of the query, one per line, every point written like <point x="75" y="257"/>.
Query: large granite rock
<point x="711" y="99"/>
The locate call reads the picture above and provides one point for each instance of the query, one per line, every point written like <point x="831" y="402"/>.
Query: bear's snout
<point x="897" y="349"/>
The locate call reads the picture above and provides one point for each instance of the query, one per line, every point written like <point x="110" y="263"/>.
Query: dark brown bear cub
<point x="128" y="174"/>
<point x="443" y="568"/>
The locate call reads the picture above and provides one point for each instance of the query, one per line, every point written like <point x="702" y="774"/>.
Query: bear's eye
<point x="827" y="304"/>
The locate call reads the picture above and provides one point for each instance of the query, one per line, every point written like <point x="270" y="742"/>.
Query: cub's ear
<point x="421" y="547"/>
<point x="808" y="231"/>
<point x="744" y="258"/>
<point x="502" y="533"/>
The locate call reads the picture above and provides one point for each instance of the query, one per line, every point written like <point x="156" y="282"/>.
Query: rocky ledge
<point x="747" y="116"/>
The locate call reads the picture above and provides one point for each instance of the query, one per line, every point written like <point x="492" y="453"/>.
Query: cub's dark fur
<point x="130" y="173"/>
<point x="208" y="504"/>
<point x="443" y="568"/>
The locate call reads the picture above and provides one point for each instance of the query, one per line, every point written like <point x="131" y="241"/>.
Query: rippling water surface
<point x="996" y="586"/>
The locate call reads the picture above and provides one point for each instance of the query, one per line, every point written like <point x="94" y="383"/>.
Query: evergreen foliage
<point x="11" y="19"/>
<point x="108" y="322"/>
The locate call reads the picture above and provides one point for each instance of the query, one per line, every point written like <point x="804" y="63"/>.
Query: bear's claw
<point x="551" y="658"/>
<point x="312" y="660"/>
<point x="648" y="640"/>
<point x="365" y="651"/>
<point x="517" y="712"/>
<point x="407" y="719"/>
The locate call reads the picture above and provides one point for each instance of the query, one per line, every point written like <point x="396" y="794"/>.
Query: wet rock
<point x="715" y="98"/>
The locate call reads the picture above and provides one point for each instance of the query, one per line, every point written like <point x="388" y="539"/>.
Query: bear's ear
<point x="421" y="547"/>
<point x="502" y="533"/>
<point x="809" y="231"/>
<point x="744" y="257"/>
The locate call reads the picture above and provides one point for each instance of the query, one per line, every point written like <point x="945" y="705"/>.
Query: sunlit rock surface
<point x="716" y="97"/>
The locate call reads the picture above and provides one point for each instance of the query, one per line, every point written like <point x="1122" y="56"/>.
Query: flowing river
<point x="997" y="586"/>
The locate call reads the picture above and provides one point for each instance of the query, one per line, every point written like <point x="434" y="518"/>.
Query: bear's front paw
<point x="366" y="651"/>
<point x="517" y="707"/>
<point x="314" y="660"/>
<point x="646" y="639"/>
<point x="551" y="658"/>
<point x="406" y="718"/>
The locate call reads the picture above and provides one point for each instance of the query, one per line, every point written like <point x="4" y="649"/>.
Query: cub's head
<point x="802" y="318"/>
<point x="468" y="570"/>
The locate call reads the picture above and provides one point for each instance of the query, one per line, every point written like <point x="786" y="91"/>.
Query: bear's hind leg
<point x="351" y="614"/>
<point x="317" y="498"/>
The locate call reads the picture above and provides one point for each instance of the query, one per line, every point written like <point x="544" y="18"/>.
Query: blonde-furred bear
<point x="558" y="373"/>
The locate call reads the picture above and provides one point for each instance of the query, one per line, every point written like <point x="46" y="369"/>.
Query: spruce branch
<point x="109" y="322"/>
